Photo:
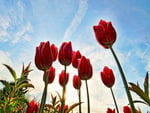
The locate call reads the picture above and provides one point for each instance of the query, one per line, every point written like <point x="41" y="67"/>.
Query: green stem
<point x="88" y="99"/>
<point x="124" y="81"/>
<point x="43" y="97"/>
<point x="114" y="100"/>
<point x="79" y="95"/>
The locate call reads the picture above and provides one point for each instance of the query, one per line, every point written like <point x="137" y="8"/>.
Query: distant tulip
<point x="110" y="110"/>
<point x="65" y="53"/>
<point x="65" y="109"/>
<point x="77" y="82"/>
<point x="127" y="109"/>
<point x="105" y="34"/>
<point x="50" y="74"/>
<point x="54" y="50"/>
<point x="75" y="57"/>
<point x="33" y="107"/>
<point x="63" y="78"/>
<point x="108" y="77"/>
<point x="43" y="56"/>
<point x="84" y="68"/>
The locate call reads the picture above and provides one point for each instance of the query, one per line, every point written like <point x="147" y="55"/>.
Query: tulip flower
<point x="63" y="78"/>
<point x="65" y="53"/>
<point x="65" y="109"/>
<point x="127" y="109"/>
<point x="77" y="82"/>
<point x="108" y="77"/>
<point x="84" y="68"/>
<point x="110" y="110"/>
<point x="54" y="50"/>
<point x="43" y="56"/>
<point x="75" y="57"/>
<point x="77" y="85"/>
<point x="105" y="34"/>
<point x="85" y="73"/>
<point x="50" y="74"/>
<point x="33" y="107"/>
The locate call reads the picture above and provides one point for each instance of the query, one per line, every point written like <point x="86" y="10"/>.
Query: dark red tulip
<point x="127" y="109"/>
<point x="33" y="107"/>
<point x="108" y="77"/>
<point x="110" y="110"/>
<point x="49" y="74"/>
<point x="65" y="108"/>
<point x="77" y="82"/>
<point x="75" y="57"/>
<point x="84" y="68"/>
<point x="54" y="50"/>
<point x="43" y="56"/>
<point x="105" y="34"/>
<point x="63" y="78"/>
<point x="65" y="53"/>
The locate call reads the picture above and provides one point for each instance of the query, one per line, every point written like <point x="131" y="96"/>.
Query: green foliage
<point x="143" y="94"/>
<point x="12" y="96"/>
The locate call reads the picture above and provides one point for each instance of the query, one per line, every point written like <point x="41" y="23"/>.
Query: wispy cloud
<point x="83" y="5"/>
<point x="14" y="27"/>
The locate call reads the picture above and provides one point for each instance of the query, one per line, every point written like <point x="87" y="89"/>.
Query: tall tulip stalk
<point x="106" y="36"/>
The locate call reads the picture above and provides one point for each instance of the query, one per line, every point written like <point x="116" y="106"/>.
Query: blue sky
<point x="25" y="23"/>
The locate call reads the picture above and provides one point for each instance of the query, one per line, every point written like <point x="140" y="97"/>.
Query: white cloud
<point x="77" y="19"/>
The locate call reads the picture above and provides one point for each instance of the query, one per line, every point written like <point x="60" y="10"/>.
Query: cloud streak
<point x="77" y="19"/>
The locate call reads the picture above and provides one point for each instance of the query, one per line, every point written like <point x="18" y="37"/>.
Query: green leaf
<point x="135" y="88"/>
<point x="13" y="73"/>
<point x="146" y="85"/>
<point x="24" y="85"/>
<point x="72" y="107"/>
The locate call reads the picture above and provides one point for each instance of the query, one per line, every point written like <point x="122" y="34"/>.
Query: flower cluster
<point x="46" y="54"/>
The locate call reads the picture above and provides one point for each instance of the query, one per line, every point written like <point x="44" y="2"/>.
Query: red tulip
<point x="33" y="107"/>
<point x="63" y="78"/>
<point x="43" y="56"/>
<point x="65" y="108"/>
<point x="110" y="110"/>
<point x="84" y="68"/>
<point x="50" y="74"/>
<point x="127" y="109"/>
<point x="105" y="34"/>
<point x="54" y="51"/>
<point x="108" y="77"/>
<point x="75" y="57"/>
<point x="65" y="53"/>
<point x="77" y="82"/>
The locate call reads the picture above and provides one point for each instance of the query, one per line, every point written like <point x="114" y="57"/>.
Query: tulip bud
<point x="110" y="110"/>
<point x="49" y="75"/>
<point x="75" y="57"/>
<point x="63" y="78"/>
<point x="108" y="77"/>
<point x="33" y="107"/>
<point x="65" y="53"/>
<point x="77" y="82"/>
<point x="84" y="68"/>
<point x="105" y="34"/>
<point x="127" y="109"/>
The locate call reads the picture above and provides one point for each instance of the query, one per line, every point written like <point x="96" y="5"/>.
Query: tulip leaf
<point x="146" y="84"/>
<point x="11" y="70"/>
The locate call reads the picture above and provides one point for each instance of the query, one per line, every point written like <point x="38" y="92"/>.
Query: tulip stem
<point x="114" y="99"/>
<point x="88" y="99"/>
<point x="124" y="81"/>
<point x="44" y="95"/>
<point x="64" y="92"/>
<point x="79" y="94"/>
